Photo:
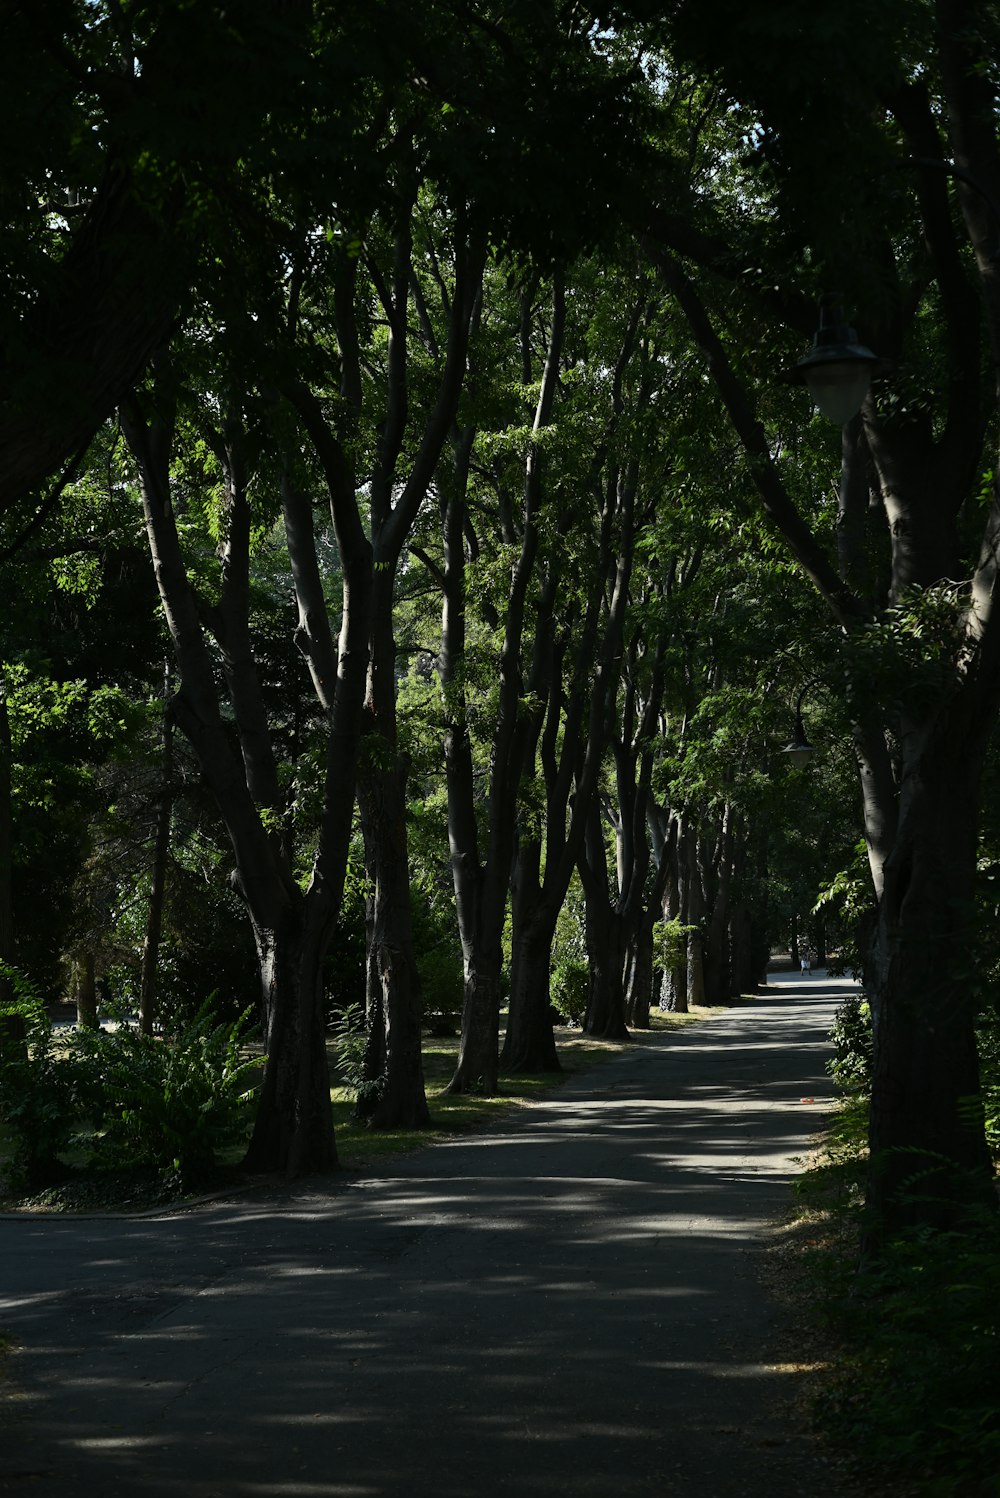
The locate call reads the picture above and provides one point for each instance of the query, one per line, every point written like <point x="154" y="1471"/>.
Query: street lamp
<point x="800" y="751"/>
<point x="837" y="369"/>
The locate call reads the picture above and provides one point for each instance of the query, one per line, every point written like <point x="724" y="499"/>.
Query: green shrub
<point x="569" y="987"/>
<point x="39" y="1086"/>
<point x="851" y="1063"/>
<point x="169" y="1103"/>
<point x="670" y="942"/>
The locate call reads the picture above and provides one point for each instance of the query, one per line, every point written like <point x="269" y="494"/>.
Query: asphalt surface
<point x="570" y="1304"/>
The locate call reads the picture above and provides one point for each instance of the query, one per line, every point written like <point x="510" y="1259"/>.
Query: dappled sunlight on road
<point x="544" y="1309"/>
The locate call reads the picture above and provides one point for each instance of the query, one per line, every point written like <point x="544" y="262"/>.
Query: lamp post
<point x="799" y="750"/>
<point x="837" y="369"/>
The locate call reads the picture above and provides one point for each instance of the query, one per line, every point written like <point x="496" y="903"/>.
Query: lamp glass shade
<point x="838" y="387"/>
<point x="799" y="752"/>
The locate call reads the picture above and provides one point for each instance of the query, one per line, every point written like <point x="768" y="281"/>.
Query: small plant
<point x="853" y="1042"/>
<point x="171" y="1103"/>
<point x="570" y="984"/>
<point x="39" y="1088"/>
<point x="348" y="1030"/>
<point x="670" y="942"/>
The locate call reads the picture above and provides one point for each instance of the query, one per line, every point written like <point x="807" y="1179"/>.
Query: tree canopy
<point x="433" y="358"/>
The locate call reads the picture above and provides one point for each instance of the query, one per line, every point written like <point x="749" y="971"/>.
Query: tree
<point x="921" y="189"/>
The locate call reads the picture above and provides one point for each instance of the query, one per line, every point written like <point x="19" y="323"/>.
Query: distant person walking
<point x="806" y="963"/>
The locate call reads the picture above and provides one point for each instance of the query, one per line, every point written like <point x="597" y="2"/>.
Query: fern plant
<point x="348" y="1030"/>
<point x="170" y="1103"/>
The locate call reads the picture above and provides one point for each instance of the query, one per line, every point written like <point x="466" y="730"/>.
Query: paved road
<point x="567" y="1306"/>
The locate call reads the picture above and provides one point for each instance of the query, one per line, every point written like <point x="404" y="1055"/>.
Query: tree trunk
<point x="478" y="1063"/>
<point x="293" y="1128"/>
<point x="743" y="977"/>
<point x="605" y="933"/>
<point x="605" y="1017"/>
<point x="695" y="971"/>
<point x="394" y="1099"/>
<point x="530" y="1044"/>
<point x="10" y="1026"/>
<point x="929" y="1157"/>
<point x="716" y="951"/>
<point x="480" y="884"/>
<point x="293" y="1131"/>
<point x="158" y="886"/>
<point x="85" y="992"/>
<point x="639" y="973"/>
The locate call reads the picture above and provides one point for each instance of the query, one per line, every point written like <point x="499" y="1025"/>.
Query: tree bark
<point x="606" y="943"/>
<point x="481" y="885"/>
<point x="930" y="1159"/>
<point x="639" y="972"/>
<point x="529" y="1043"/>
<point x="293" y="1130"/>
<point x="293" y="1126"/>
<point x="394" y="1097"/>
<point x="717" y="961"/>
<point x="394" y="1100"/>
<point x="6" y="856"/>
<point x="86" y="991"/>
<point x="158" y="881"/>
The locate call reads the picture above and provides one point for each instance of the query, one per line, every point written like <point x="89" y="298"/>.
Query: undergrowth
<point x="114" y="1101"/>
<point x="914" y="1396"/>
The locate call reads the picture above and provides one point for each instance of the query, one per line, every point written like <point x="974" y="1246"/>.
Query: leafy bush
<point x="569" y="986"/>
<point x="853" y="1042"/>
<point x="172" y="1104"/>
<point x="39" y="1087"/>
<point x="670" y="942"/>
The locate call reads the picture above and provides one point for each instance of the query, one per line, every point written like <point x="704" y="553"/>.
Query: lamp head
<point x="837" y="369"/>
<point x="799" y="751"/>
